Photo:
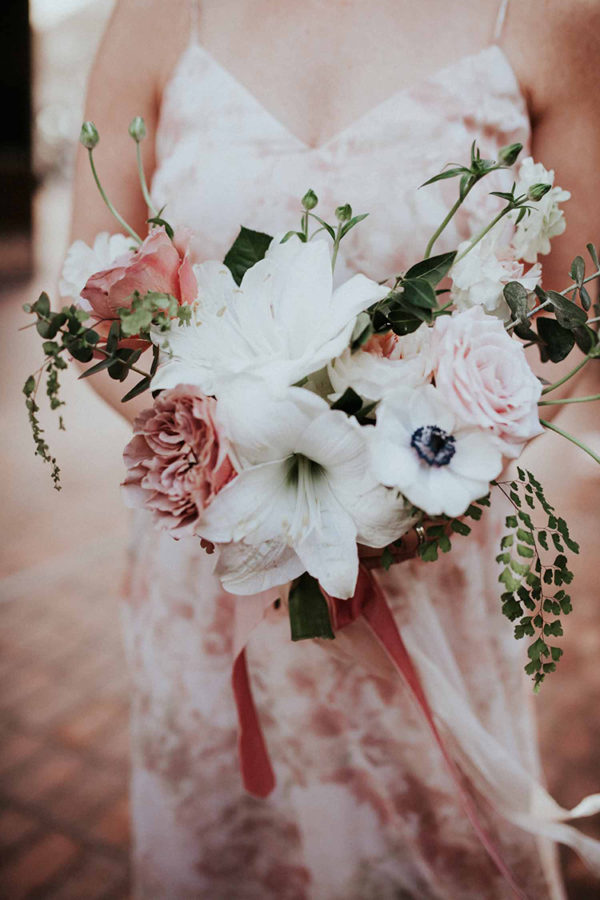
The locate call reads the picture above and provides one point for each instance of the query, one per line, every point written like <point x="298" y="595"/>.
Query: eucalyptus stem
<point x="572" y="439"/>
<point x="142" y="175"/>
<point x="117" y="216"/>
<point x="552" y="387"/>
<point x="569" y="400"/>
<point x="484" y="231"/>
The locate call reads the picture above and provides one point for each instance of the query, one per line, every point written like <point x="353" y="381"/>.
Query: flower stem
<point x="572" y="439"/>
<point x="484" y="231"/>
<point x="569" y="400"/>
<point x="118" y="217"/>
<point x="142" y="175"/>
<point x="446" y="221"/>
<point x="551" y="387"/>
<point x="336" y="247"/>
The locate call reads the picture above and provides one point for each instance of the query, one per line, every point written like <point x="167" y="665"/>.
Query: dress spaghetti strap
<point x="500" y="20"/>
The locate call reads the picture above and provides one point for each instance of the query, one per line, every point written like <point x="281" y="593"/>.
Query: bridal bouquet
<point x="295" y="420"/>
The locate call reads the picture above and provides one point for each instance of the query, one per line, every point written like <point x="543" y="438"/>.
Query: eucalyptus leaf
<point x="594" y="254"/>
<point x="556" y="341"/>
<point x="568" y="314"/>
<point x="577" y="271"/>
<point x="516" y="297"/>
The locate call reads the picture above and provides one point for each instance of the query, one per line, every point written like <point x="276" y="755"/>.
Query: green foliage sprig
<point x="437" y="538"/>
<point x="535" y="572"/>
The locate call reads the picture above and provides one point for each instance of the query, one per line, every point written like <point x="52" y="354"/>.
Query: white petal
<point x="329" y="550"/>
<point x="354" y="296"/>
<point x="477" y="456"/>
<point x="393" y="464"/>
<point x="256" y="506"/>
<point x="264" y="425"/>
<point x="249" y="569"/>
<point x="216" y="287"/>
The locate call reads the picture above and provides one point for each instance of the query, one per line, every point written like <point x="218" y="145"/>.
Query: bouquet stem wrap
<point x="369" y="601"/>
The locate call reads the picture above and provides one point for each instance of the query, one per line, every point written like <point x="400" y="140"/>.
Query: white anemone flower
<point x="384" y="364"/>
<point x="419" y="447"/>
<point x="545" y="220"/>
<point x="303" y="497"/>
<point x="478" y="278"/>
<point x="82" y="261"/>
<point x="282" y="323"/>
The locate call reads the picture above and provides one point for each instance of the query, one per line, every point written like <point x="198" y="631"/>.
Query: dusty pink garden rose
<point x="157" y="264"/>
<point x="483" y="375"/>
<point x="177" y="460"/>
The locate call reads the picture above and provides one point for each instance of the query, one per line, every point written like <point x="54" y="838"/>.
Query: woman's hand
<point x="407" y="547"/>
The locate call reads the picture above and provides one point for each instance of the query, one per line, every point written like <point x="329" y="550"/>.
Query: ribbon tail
<point x="257" y="771"/>
<point x="378" y="615"/>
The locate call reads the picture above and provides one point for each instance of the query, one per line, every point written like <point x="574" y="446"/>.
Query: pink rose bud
<point x="156" y="265"/>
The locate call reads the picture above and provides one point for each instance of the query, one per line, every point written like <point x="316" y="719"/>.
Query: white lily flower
<point x="385" y="363"/>
<point x="284" y="322"/>
<point x="478" y="278"/>
<point x="82" y="261"/>
<point x="304" y="496"/>
<point x="545" y="220"/>
<point x="438" y="463"/>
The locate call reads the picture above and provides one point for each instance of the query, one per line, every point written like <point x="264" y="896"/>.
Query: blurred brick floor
<point x="64" y="735"/>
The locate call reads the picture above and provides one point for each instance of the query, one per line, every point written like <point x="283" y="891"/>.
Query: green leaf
<point x="156" y="220"/>
<point x="516" y="297"/>
<point x="460" y="527"/>
<point x="568" y="314"/>
<point x="447" y="173"/>
<point x="525" y="551"/>
<point x="405" y="319"/>
<point x="387" y="558"/>
<point x="248" y="248"/>
<point x="308" y="610"/>
<point x="585" y="337"/>
<point x="557" y="342"/>
<point x="433" y="269"/>
<point x="137" y="389"/>
<point x="429" y="552"/>
<point x="577" y="270"/>
<point x="419" y="292"/>
<point x="98" y="367"/>
<point x="353" y="221"/>
<point x="350" y="402"/>
<point x="594" y="254"/>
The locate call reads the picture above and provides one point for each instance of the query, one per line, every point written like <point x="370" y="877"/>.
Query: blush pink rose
<point x="157" y="264"/>
<point x="178" y="459"/>
<point x="483" y="375"/>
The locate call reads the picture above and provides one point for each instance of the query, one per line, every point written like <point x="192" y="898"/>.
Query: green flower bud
<point x="508" y="155"/>
<point x="310" y="200"/>
<point x="137" y="129"/>
<point x="89" y="136"/>
<point x="537" y="191"/>
<point x="343" y="213"/>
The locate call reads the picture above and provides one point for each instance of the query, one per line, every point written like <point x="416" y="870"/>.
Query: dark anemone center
<point x="434" y="445"/>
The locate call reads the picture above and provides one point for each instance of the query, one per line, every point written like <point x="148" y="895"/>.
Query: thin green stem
<point x="446" y="221"/>
<point x="118" y="217"/>
<point x="572" y="439"/>
<point x="142" y="175"/>
<point x="336" y="247"/>
<point x="552" y="387"/>
<point x="483" y="232"/>
<point x="569" y="400"/>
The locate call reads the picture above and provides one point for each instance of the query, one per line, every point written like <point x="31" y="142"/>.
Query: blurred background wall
<point x="63" y="686"/>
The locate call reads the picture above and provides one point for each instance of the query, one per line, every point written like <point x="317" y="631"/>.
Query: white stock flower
<point x="479" y="278"/>
<point x="386" y="362"/>
<point x="545" y="220"/>
<point x="419" y="447"/>
<point x="82" y="261"/>
<point x="282" y="323"/>
<point x="303" y="497"/>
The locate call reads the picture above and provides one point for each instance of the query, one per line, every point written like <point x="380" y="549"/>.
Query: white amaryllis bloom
<point x="282" y="323"/>
<point x="385" y="363"/>
<point x="546" y="219"/>
<point x="478" y="278"/>
<point x="82" y="261"/>
<point x="419" y="447"/>
<point x="303" y="497"/>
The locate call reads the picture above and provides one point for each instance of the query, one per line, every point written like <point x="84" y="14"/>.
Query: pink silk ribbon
<point x="369" y="601"/>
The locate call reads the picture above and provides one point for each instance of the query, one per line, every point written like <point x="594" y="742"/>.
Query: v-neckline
<point x="243" y="90"/>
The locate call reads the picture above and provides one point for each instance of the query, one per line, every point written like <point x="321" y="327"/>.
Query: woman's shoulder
<point x="555" y="46"/>
<point x="148" y="36"/>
